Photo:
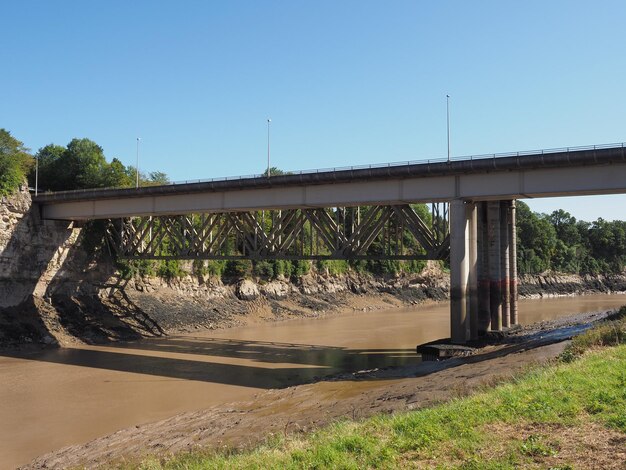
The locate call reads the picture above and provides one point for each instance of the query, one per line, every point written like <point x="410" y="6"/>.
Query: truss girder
<point x="374" y="232"/>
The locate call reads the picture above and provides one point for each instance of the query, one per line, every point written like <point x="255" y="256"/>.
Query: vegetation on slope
<point x="548" y="418"/>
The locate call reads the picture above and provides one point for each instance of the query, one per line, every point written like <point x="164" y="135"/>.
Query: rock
<point x="247" y="290"/>
<point x="276" y="290"/>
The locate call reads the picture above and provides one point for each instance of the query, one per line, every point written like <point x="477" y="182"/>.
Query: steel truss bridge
<point x="385" y="232"/>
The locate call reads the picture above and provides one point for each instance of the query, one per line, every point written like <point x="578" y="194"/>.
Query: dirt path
<point x="346" y="396"/>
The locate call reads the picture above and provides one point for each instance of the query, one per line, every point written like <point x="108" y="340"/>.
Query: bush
<point x="170" y="269"/>
<point x="333" y="266"/>
<point x="264" y="269"/>
<point x="238" y="268"/>
<point x="611" y="332"/>
<point x="283" y="268"/>
<point x="301" y="267"/>
<point x="215" y="268"/>
<point x="132" y="268"/>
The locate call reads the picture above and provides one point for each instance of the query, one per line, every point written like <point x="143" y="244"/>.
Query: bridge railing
<point x="382" y="165"/>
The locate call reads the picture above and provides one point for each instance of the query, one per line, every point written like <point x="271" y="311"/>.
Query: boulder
<point x="276" y="290"/>
<point x="247" y="290"/>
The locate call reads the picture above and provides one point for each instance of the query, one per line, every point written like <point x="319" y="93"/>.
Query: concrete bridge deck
<point x="548" y="173"/>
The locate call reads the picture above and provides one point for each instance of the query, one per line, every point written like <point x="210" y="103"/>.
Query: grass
<point x="611" y="332"/>
<point x="522" y="423"/>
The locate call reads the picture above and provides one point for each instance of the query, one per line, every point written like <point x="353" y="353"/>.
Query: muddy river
<point x="56" y="398"/>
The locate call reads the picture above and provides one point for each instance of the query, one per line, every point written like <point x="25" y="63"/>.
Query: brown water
<point x="56" y="398"/>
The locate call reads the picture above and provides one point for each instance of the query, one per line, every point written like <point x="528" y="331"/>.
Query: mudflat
<point x="377" y="388"/>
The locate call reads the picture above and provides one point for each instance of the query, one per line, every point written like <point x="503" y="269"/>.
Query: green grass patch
<point x="462" y="433"/>
<point x="611" y="332"/>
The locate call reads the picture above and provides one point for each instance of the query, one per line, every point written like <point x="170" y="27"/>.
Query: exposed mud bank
<point x="96" y="312"/>
<point x="100" y="312"/>
<point x="344" y="396"/>
<point x="557" y="284"/>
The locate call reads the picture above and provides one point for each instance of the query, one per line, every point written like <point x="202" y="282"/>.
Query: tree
<point x="51" y="171"/>
<point x="15" y="162"/>
<point x="86" y="164"/>
<point x="115" y="175"/>
<point x="565" y="226"/>
<point x="156" y="178"/>
<point x="82" y="165"/>
<point x="536" y="241"/>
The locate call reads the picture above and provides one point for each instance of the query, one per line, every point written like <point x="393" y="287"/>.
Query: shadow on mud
<point x="275" y="365"/>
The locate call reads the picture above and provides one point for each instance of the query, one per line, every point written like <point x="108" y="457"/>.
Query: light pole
<point x="137" y="166"/>
<point x="448" y="122"/>
<point x="36" y="174"/>
<point x="268" y="146"/>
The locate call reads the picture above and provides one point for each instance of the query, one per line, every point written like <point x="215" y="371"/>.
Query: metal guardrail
<point x="371" y="166"/>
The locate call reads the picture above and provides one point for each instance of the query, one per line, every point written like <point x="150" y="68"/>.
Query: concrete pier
<point x="495" y="265"/>
<point x="513" y="263"/>
<point x="471" y="213"/>
<point x="459" y="272"/>
<point x="504" y="263"/>
<point x="484" y="309"/>
<point x="483" y="268"/>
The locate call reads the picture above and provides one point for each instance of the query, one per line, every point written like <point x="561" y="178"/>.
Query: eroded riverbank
<point x="56" y="398"/>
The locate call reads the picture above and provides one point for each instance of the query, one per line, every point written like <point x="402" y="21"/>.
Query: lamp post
<point x="448" y="123"/>
<point x="36" y="174"/>
<point x="137" y="166"/>
<point x="268" y="146"/>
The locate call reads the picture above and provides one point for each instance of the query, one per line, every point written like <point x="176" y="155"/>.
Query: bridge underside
<point x="401" y="232"/>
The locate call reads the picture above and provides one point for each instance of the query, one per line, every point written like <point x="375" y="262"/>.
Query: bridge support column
<point x="484" y="315"/>
<point x="463" y="276"/>
<point x="495" y="264"/>
<point x="513" y="263"/>
<point x="504" y="259"/>
<point x="472" y="216"/>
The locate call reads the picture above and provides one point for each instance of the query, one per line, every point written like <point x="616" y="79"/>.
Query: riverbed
<point x="56" y="398"/>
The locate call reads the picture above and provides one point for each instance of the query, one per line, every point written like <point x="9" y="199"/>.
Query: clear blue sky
<point x="344" y="82"/>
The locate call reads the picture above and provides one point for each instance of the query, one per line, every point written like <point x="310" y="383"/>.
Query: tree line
<point x="559" y="242"/>
<point x="546" y="242"/>
<point x="80" y="164"/>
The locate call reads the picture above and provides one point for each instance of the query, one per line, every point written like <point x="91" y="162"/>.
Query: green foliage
<point x="264" y="269"/>
<point x="136" y="268"/>
<point x="301" y="267"/>
<point x="82" y="164"/>
<point x="536" y="445"/>
<point x="213" y="268"/>
<point x="333" y="267"/>
<point x="283" y="268"/>
<point x="93" y="238"/>
<point x="239" y="268"/>
<point x="157" y="178"/>
<point x="537" y="240"/>
<point x="15" y="163"/>
<point x="561" y="243"/>
<point x="611" y="332"/>
<point x="170" y="269"/>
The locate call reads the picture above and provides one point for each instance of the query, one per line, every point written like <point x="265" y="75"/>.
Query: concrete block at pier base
<point x="497" y="335"/>
<point x="441" y="350"/>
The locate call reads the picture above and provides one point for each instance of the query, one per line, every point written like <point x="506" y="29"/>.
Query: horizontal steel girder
<point x="395" y="232"/>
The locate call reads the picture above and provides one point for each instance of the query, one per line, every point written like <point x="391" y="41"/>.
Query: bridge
<point x="471" y="219"/>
